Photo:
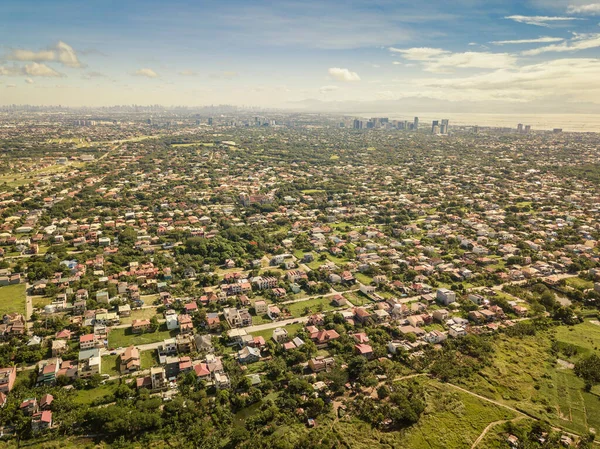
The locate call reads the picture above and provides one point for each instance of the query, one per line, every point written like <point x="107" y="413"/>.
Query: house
<point x="367" y="289"/>
<point x="185" y="343"/>
<point x="362" y="315"/>
<point x="280" y="335"/>
<point x="7" y="378"/>
<point x="221" y="381"/>
<point x="124" y="310"/>
<point x="457" y="330"/>
<point x="29" y="406"/>
<point x="339" y="301"/>
<point x="130" y="360"/>
<point x="274" y="312"/>
<point x="248" y="355"/>
<point x="203" y="343"/>
<point x="185" y="324"/>
<point x="321" y="363"/>
<point x="41" y="421"/>
<point x="260" y="307"/>
<point x="87" y="341"/>
<point x="202" y="371"/>
<point x="46" y="401"/>
<point x="434" y="337"/>
<point x="445" y="296"/>
<point x="322" y="338"/>
<point x="171" y="319"/>
<point x="89" y="362"/>
<point x="440" y="315"/>
<point x="237" y="317"/>
<point x="364" y="350"/>
<point x="140" y="326"/>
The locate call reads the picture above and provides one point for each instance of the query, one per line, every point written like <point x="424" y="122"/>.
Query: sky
<point x="493" y="55"/>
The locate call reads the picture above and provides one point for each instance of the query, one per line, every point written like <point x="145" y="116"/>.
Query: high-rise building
<point x="557" y="130"/>
<point x="520" y="128"/>
<point x="358" y="124"/>
<point x="435" y="124"/>
<point x="444" y="127"/>
<point x="416" y="123"/>
<point x="210" y="121"/>
<point x="527" y="129"/>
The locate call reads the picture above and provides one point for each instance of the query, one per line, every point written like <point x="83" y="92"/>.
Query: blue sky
<point x="543" y="52"/>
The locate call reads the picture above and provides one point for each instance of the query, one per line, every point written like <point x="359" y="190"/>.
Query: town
<point x="226" y="279"/>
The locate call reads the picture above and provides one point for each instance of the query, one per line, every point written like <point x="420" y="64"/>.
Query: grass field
<point x="356" y="298"/>
<point x="88" y="396"/>
<point x="148" y="359"/>
<point x="267" y="334"/>
<point x="12" y="299"/>
<point x="578" y="283"/>
<point x="585" y="336"/>
<point x="363" y="278"/>
<point x="297" y="309"/>
<point x="110" y="365"/>
<point x="118" y="338"/>
<point x="38" y="302"/>
<point x="525" y="375"/>
<point x="452" y="419"/>
<point x="140" y="314"/>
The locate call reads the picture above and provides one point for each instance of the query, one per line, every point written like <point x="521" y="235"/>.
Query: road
<point x="489" y="426"/>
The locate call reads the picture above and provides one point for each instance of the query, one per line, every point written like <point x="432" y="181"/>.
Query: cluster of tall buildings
<point x="385" y="123"/>
<point x="85" y="122"/>
<point x="523" y="130"/>
<point x="437" y="128"/>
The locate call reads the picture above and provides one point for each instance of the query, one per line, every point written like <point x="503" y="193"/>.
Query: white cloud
<point x="541" y="21"/>
<point x="419" y="53"/>
<point x="443" y="61"/>
<point x="343" y="74"/>
<point x="28" y="80"/>
<point x="35" y="69"/>
<point x="539" y="40"/>
<point x="325" y="89"/>
<point x="591" y="9"/>
<point x="61" y="52"/>
<point x="148" y="73"/>
<point x="396" y="63"/>
<point x="575" y="78"/>
<point x="188" y="72"/>
<point x="10" y="86"/>
<point x="227" y="75"/>
<point x="579" y="42"/>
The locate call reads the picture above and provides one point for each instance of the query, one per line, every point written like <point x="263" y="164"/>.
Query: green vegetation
<point x="12" y="299"/>
<point x="123" y="337"/>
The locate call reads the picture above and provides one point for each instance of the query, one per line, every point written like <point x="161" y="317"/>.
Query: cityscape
<point x="299" y="225"/>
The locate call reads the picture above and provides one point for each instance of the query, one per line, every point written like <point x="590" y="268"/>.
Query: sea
<point x="566" y="122"/>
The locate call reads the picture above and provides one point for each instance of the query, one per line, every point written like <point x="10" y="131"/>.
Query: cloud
<point x="579" y="42"/>
<point x="62" y="53"/>
<point x="575" y="78"/>
<point x="33" y="69"/>
<point x="442" y="61"/>
<point x="325" y="89"/>
<point x="539" y="40"/>
<point x="345" y="75"/>
<point x="541" y="21"/>
<point x="148" y="73"/>
<point x="396" y="63"/>
<point x="28" y="80"/>
<point x="11" y="86"/>
<point x="592" y="9"/>
<point x="419" y="53"/>
<point x="188" y="72"/>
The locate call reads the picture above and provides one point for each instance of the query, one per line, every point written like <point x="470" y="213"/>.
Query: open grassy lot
<point x="316" y="305"/>
<point x="118" y="338"/>
<point x="140" y="314"/>
<point x="38" y="302"/>
<point x="12" y="299"/>
<point x="363" y="278"/>
<point x="356" y="298"/>
<point x="110" y="365"/>
<point x="585" y="336"/>
<point x="452" y="419"/>
<point x="148" y="359"/>
<point x="578" y="283"/>
<point x="267" y="334"/>
<point x="88" y="396"/>
<point x="525" y="375"/>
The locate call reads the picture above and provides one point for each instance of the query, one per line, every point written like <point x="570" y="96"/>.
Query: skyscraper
<point x="520" y="128"/>
<point x="210" y="121"/>
<point x="416" y="123"/>
<point x="444" y="127"/>
<point x="435" y="126"/>
<point x="527" y="129"/>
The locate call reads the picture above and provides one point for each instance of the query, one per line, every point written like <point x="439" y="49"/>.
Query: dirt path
<point x="489" y="426"/>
